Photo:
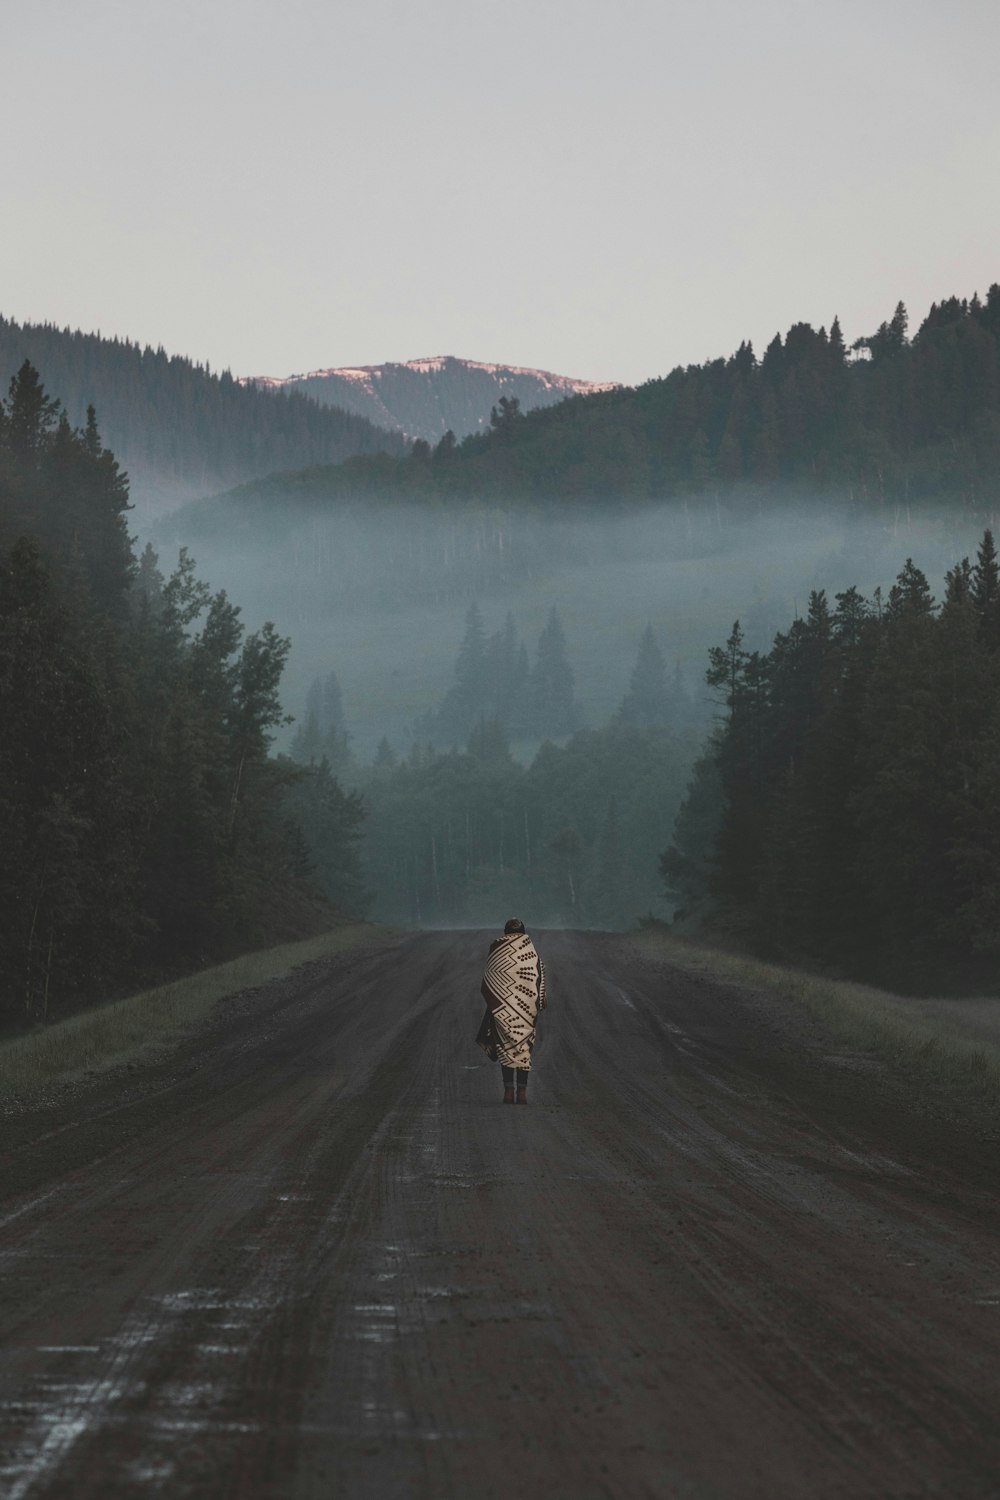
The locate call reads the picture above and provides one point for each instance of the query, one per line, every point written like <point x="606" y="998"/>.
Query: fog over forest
<point x="431" y="685"/>
<point x="379" y="594"/>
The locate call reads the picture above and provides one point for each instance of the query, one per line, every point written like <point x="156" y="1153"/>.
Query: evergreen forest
<point x="847" y="811"/>
<point x="144" y="827"/>
<point x="569" y="830"/>
<point x="843" y="812"/>
<point x="178" y="429"/>
<point x="898" y="420"/>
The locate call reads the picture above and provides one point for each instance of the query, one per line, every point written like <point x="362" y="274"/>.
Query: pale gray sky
<point x="601" y="189"/>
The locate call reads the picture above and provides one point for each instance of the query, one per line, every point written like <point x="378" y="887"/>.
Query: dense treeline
<point x="848" y="811"/>
<point x="573" y="838"/>
<point x="178" y="429"/>
<point x="143" y="826"/>
<point x="892" y="421"/>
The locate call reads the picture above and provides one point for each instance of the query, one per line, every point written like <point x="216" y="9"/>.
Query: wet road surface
<point x="311" y="1255"/>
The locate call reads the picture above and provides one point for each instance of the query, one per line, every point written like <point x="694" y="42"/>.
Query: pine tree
<point x="502" y="673"/>
<point x="836" y="343"/>
<point x="910" y="594"/>
<point x="552" y="706"/>
<point x="148" y="585"/>
<point x="446" y="448"/>
<point x="323" y="735"/>
<point x="30" y="415"/>
<point x="325" y="700"/>
<point x="985" y="590"/>
<point x="742" y="677"/>
<point x="470" y="668"/>
<point x="469" y="697"/>
<point x="505" y="416"/>
<point x="648" y="699"/>
<point x="307" y="745"/>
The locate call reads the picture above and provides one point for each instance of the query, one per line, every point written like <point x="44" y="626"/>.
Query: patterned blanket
<point x="514" y="990"/>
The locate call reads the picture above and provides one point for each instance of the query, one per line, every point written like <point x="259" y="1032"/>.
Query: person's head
<point x="512" y="925"/>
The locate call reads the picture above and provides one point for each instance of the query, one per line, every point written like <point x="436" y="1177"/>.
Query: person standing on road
<point x="514" y="990"/>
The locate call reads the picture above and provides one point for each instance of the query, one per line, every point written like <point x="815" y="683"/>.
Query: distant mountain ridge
<point x="179" y="430"/>
<point x="428" y="397"/>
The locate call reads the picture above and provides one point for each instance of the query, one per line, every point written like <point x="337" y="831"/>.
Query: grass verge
<point x="947" y="1040"/>
<point x="122" y="1030"/>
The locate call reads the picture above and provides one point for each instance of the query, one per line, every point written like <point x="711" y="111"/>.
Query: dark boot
<point x="508" y="1093"/>
<point x="522" y="1094"/>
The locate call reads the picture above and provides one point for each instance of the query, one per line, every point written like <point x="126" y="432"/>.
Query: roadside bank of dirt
<point x="122" y="1032"/>
<point x="955" y="1041"/>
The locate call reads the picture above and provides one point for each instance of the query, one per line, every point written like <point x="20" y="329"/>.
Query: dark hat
<point x="513" y="924"/>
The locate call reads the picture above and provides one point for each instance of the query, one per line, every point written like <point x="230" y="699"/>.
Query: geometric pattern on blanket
<point x="514" y="990"/>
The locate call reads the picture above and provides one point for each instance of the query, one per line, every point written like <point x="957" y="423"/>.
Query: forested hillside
<point x="892" y="422"/>
<point x="848" y="813"/>
<point x="177" y="429"/>
<point x="144" y="827"/>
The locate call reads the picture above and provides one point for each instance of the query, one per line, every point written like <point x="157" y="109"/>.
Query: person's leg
<point x="522" y="1085"/>
<point x="508" y="1083"/>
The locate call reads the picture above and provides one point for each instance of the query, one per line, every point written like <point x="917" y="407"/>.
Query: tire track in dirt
<point x="209" y="1186"/>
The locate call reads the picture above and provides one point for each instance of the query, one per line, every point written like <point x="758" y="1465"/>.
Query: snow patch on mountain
<point x="366" y="375"/>
<point x="425" y="397"/>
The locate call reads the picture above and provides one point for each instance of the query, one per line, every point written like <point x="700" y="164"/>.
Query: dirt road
<point x="313" y="1256"/>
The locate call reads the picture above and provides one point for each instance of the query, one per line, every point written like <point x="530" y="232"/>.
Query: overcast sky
<point x="605" y="188"/>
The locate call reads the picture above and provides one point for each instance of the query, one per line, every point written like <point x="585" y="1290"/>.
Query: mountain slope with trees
<point x="892" y="422"/>
<point x="178" y="430"/>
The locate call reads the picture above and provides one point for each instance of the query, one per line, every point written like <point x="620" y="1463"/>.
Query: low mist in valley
<point x="563" y="810"/>
<point x="379" y="594"/>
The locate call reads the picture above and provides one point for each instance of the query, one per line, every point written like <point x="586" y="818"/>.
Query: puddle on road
<point x="400" y="1423"/>
<point x="55" y="1413"/>
<point x="195" y="1299"/>
<point x="62" y="1411"/>
<point x="376" y="1324"/>
<point x="146" y="1473"/>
